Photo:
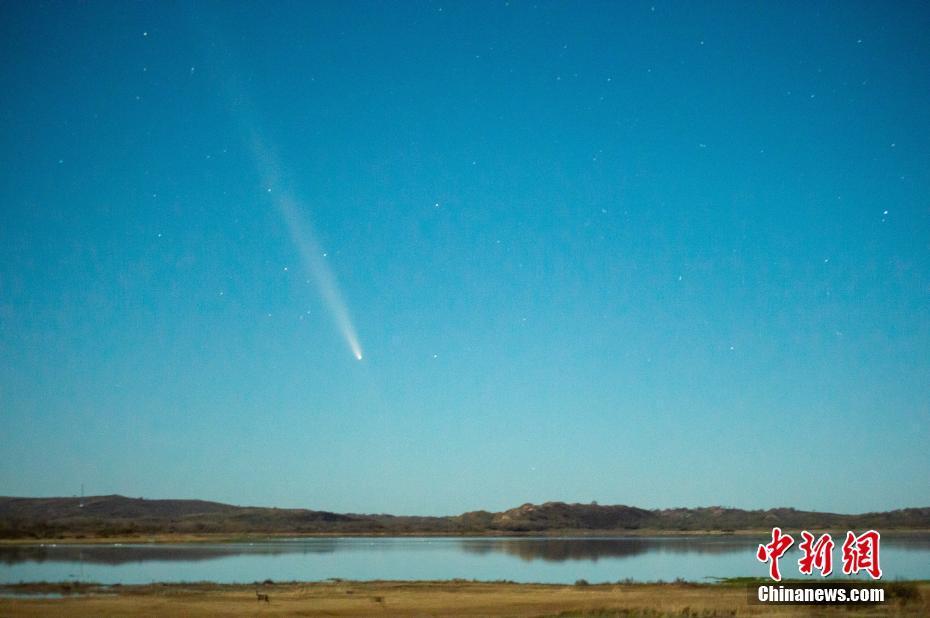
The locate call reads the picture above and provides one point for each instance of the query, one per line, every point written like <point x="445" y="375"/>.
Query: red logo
<point x="773" y="551"/>
<point x="817" y="555"/>
<point x="860" y="553"/>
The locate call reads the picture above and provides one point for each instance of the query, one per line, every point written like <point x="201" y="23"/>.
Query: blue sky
<point x="661" y="254"/>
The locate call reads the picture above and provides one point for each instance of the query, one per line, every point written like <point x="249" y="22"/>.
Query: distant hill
<point x="119" y="516"/>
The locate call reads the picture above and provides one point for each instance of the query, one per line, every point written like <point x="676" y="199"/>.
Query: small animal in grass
<point x="262" y="597"/>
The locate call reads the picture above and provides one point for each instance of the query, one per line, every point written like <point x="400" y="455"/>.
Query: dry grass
<point x="431" y="599"/>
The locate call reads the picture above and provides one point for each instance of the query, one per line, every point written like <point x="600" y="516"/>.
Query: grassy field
<point x="454" y="598"/>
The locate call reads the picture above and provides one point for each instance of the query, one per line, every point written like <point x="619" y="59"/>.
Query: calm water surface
<point x="555" y="560"/>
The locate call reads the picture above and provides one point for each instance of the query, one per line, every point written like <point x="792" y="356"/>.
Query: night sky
<point x="659" y="254"/>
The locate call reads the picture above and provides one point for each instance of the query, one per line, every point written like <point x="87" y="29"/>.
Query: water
<point x="553" y="560"/>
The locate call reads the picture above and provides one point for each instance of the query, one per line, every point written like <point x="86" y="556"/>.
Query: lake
<point x="521" y="559"/>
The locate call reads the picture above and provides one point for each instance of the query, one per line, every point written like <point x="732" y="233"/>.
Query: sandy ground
<point x="435" y="599"/>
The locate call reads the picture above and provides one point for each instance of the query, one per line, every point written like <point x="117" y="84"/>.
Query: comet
<point x="315" y="263"/>
<point x="282" y="195"/>
<point x="305" y="240"/>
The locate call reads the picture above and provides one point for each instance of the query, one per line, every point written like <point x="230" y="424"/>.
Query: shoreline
<point x="245" y="537"/>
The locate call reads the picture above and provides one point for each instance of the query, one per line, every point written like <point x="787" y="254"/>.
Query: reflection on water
<point x="551" y="549"/>
<point x="15" y="594"/>
<point x="121" y="554"/>
<point x="550" y="559"/>
<point x="561" y="549"/>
